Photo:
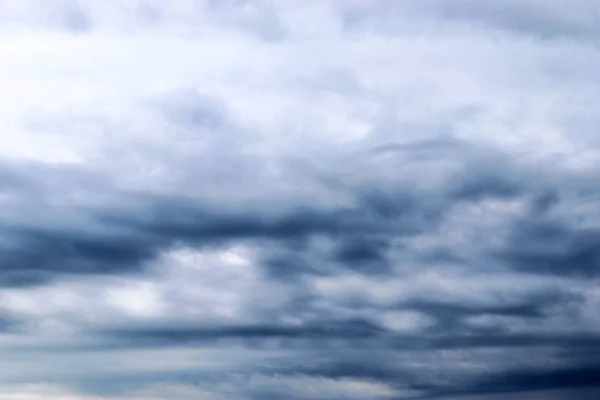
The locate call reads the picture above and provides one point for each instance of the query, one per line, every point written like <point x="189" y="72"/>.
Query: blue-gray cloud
<point x="368" y="200"/>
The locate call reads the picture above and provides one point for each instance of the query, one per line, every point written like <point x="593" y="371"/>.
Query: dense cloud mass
<point x="300" y="199"/>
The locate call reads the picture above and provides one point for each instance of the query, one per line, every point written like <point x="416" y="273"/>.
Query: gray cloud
<point x="537" y="19"/>
<point x="368" y="200"/>
<point x="554" y="247"/>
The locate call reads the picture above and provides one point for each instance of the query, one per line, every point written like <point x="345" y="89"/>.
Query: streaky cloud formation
<point x="299" y="200"/>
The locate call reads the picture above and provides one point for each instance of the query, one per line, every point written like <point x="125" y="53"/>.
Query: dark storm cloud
<point x="542" y="379"/>
<point x="374" y="366"/>
<point x="365" y="350"/>
<point x="544" y="202"/>
<point x="456" y="380"/>
<point x="329" y="330"/>
<point x="358" y="349"/>
<point x="325" y="330"/>
<point x="136" y="227"/>
<point x="533" y="305"/>
<point x="363" y="253"/>
<point x="35" y="255"/>
<point x="501" y="338"/>
<point x="553" y="246"/>
<point x="489" y="181"/>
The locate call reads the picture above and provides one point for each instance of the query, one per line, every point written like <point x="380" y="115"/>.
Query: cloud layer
<point x="299" y="200"/>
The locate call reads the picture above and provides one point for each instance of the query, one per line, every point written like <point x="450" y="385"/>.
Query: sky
<point x="299" y="199"/>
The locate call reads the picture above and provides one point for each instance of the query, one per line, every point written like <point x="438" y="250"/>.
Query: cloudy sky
<point x="299" y="199"/>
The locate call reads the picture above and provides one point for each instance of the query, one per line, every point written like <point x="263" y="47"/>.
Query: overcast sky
<point x="299" y="199"/>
